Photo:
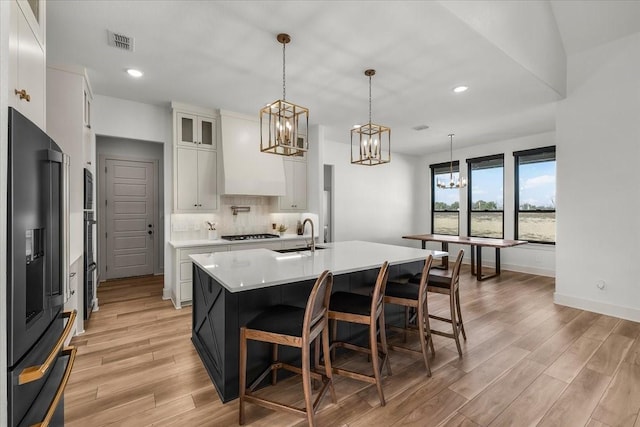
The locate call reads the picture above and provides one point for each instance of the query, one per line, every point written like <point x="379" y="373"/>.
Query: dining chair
<point x="294" y="327"/>
<point x="364" y="310"/>
<point x="413" y="296"/>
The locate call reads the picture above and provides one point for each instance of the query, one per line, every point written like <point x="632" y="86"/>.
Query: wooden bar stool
<point x="448" y="282"/>
<point x="413" y="296"/>
<point x="364" y="310"/>
<point x="294" y="327"/>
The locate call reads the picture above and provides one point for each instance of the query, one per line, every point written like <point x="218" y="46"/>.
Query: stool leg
<point x="274" y="359"/>
<point x="454" y="321"/>
<point x="406" y="324"/>
<point x="373" y="345"/>
<point x="243" y="374"/>
<point x="334" y="334"/>
<point x="306" y="383"/>
<point x="383" y="341"/>
<point x="460" y="314"/>
<point x="327" y="363"/>
<point x="423" y="340"/>
<point x="428" y="327"/>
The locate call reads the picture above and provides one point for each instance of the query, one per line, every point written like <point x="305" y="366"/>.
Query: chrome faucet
<point x="312" y="246"/>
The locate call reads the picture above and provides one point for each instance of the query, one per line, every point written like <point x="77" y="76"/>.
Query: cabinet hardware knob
<point x="23" y="94"/>
<point x="196" y="205"/>
<point x="150" y="232"/>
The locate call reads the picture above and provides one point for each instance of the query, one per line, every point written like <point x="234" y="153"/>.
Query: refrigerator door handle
<point x="65" y="227"/>
<point x="34" y="373"/>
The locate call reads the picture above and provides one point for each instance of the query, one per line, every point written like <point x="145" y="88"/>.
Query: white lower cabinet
<point x="182" y="291"/>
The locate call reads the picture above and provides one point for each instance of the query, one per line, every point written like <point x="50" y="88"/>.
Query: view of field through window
<point x="536" y="210"/>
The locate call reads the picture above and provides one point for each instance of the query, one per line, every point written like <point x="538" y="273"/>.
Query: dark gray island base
<point x="219" y="313"/>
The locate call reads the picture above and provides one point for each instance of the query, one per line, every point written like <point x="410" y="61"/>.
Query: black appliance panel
<point x="88" y="189"/>
<point x="35" y="290"/>
<point x="22" y="397"/>
<point x="89" y="263"/>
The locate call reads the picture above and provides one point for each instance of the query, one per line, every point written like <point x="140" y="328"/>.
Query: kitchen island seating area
<point x="295" y="327"/>
<point x="232" y="288"/>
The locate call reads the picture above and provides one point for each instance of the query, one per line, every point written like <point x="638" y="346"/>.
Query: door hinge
<point x="105" y="169"/>
<point x="106" y="268"/>
<point x="106" y="235"/>
<point x="105" y="202"/>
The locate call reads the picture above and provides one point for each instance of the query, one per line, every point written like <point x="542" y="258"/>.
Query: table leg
<point x="473" y="260"/>
<point x="445" y="260"/>
<point x="479" y="275"/>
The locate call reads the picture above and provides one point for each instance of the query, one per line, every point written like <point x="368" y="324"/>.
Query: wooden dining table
<point x="476" y="244"/>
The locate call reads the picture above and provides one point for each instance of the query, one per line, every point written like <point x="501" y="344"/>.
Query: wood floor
<point x="526" y="362"/>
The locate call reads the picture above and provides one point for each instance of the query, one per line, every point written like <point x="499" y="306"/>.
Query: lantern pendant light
<point x="284" y="125"/>
<point x="370" y="143"/>
<point x="459" y="183"/>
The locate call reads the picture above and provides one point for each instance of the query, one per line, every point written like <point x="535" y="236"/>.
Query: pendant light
<point x="371" y="143"/>
<point x="459" y="183"/>
<point x="284" y="125"/>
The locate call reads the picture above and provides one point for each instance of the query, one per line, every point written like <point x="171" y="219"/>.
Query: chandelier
<point x="284" y="125"/>
<point x="371" y="143"/>
<point x="459" y="183"/>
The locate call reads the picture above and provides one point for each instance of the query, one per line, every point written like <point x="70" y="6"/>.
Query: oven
<point x="89" y="263"/>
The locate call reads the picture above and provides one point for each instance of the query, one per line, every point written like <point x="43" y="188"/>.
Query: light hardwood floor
<point x="526" y="362"/>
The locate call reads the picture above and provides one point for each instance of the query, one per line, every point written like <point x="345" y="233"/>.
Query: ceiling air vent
<point x="120" y="41"/>
<point x="420" y="127"/>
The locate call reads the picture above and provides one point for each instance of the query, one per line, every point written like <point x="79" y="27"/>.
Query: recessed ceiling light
<point x="460" y="89"/>
<point x="134" y="73"/>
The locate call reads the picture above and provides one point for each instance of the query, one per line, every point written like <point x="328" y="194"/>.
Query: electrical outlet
<point x="600" y="284"/>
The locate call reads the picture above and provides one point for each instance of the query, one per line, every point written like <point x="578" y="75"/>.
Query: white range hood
<point x="245" y="169"/>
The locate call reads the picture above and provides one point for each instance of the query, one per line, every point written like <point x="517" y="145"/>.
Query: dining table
<point x="476" y="244"/>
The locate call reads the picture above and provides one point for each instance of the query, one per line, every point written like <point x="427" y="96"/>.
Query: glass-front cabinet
<point x="196" y="130"/>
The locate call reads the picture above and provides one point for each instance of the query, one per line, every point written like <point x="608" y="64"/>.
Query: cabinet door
<point x="295" y="174"/>
<point x="207" y="180"/>
<point x="207" y="133"/>
<point x="27" y="71"/>
<point x="187" y="129"/>
<point x="186" y="195"/>
<point x="300" y="185"/>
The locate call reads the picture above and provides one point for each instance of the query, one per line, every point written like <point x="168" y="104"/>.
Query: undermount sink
<point x="285" y="251"/>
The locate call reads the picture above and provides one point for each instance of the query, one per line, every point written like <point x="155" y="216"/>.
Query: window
<point x="486" y="198"/>
<point x="535" y="195"/>
<point x="445" y="203"/>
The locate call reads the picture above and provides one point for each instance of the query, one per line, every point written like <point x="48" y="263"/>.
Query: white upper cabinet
<point x="27" y="73"/>
<point x="295" y="199"/>
<point x="195" y="130"/>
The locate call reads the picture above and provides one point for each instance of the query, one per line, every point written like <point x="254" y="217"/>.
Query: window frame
<point x="470" y="209"/>
<point x="433" y="168"/>
<point x="516" y="188"/>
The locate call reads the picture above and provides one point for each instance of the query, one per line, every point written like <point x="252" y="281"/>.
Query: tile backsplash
<point x="259" y="219"/>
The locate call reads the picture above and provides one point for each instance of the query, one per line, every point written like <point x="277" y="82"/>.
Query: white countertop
<point x="221" y="242"/>
<point x="239" y="271"/>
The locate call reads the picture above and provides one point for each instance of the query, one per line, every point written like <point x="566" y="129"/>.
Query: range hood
<point x="245" y="169"/>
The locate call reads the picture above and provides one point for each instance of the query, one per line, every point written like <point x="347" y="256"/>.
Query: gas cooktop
<point x="259" y="236"/>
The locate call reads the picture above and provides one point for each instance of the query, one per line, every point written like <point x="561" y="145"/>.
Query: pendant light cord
<point x="284" y="90"/>
<point x="369" y="102"/>
<point x="451" y="156"/>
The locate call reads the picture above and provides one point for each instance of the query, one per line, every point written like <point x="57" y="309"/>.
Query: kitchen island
<point x="230" y="288"/>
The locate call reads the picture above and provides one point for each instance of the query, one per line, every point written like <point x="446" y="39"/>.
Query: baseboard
<point x="622" y="312"/>
<point x="166" y="293"/>
<point x="518" y="268"/>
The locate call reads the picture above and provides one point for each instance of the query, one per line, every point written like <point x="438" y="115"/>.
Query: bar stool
<point x="294" y="327"/>
<point x="413" y="296"/>
<point x="364" y="310"/>
<point x="449" y="284"/>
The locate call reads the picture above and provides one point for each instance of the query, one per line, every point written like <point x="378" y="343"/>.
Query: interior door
<point x="129" y="218"/>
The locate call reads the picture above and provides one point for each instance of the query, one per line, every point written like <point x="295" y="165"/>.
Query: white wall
<point x="530" y="258"/>
<point x="598" y="150"/>
<point x="374" y="203"/>
<point x="133" y="120"/>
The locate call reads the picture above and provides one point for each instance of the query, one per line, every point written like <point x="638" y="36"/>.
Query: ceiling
<point x="223" y="54"/>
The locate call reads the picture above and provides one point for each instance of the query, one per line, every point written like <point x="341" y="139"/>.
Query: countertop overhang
<point x="240" y="271"/>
